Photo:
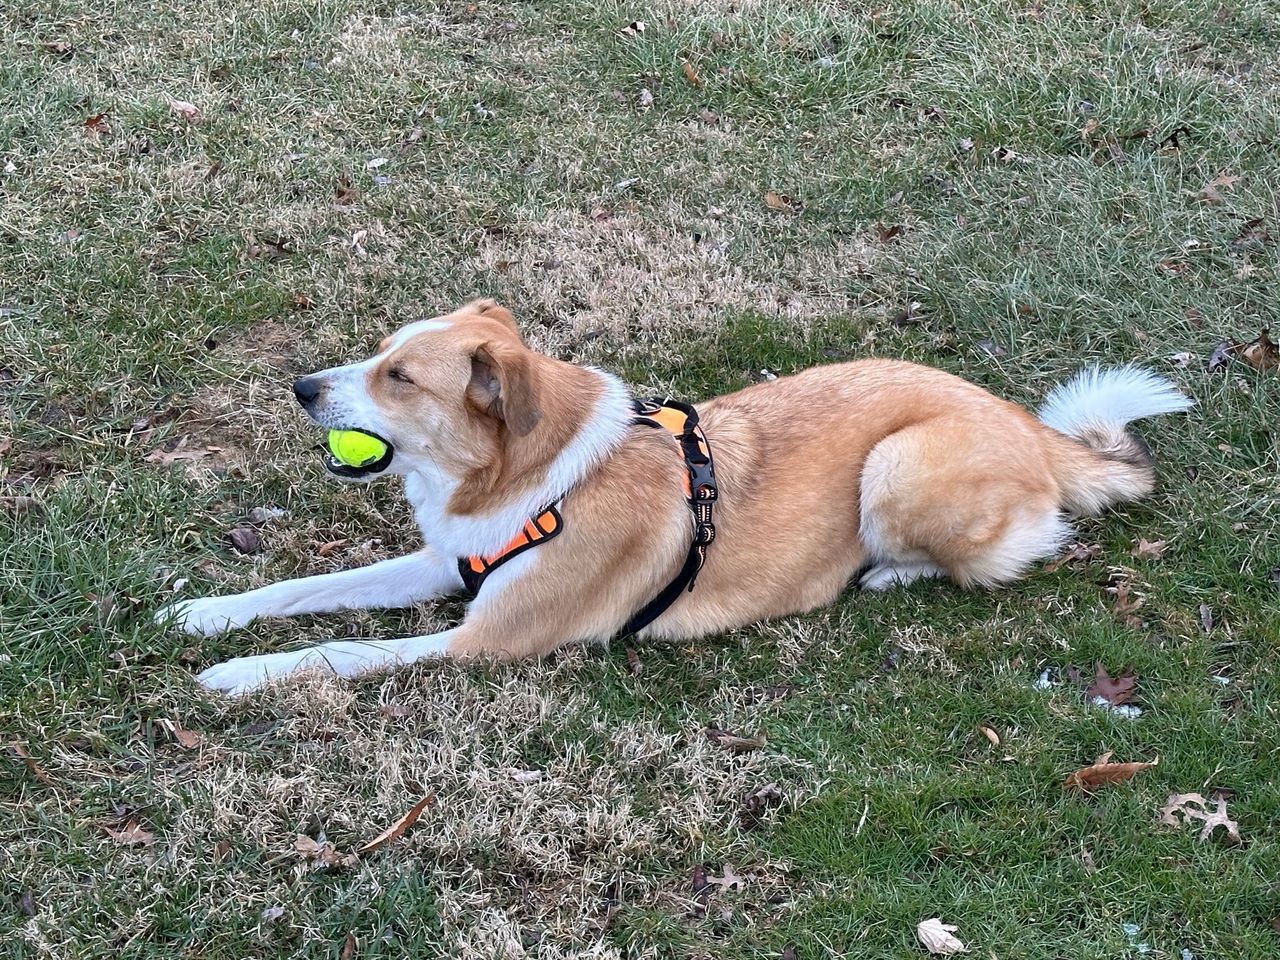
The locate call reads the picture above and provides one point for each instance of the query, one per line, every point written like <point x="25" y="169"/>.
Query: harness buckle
<point x="704" y="533"/>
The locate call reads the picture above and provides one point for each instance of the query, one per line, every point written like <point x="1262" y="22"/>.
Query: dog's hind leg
<point x="399" y="582"/>
<point x="958" y="498"/>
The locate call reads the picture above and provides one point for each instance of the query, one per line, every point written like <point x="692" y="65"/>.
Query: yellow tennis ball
<point x="355" y="448"/>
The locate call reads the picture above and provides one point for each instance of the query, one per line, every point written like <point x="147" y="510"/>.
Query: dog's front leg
<point x="346" y="658"/>
<point x="399" y="582"/>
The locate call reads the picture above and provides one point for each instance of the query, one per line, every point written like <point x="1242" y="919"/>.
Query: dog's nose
<point x="306" y="389"/>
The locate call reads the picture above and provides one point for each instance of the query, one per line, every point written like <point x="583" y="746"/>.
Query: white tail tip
<point x="1109" y="398"/>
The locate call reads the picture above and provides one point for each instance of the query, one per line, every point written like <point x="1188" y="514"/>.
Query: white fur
<point x="399" y="582"/>
<point x="1031" y="537"/>
<point x="346" y="658"/>
<point x="1109" y="398"/>
<point x="430" y="489"/>
<point x="886" y="575"/>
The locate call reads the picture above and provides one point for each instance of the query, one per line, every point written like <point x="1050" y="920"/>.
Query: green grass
<point x="128" y="289"/>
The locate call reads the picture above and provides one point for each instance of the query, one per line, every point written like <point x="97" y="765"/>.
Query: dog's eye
<point x="397" y="373"/>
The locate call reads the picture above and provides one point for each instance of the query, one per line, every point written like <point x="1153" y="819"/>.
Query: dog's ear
<point x="504" y="385"/>
<point x="495" y="311"/>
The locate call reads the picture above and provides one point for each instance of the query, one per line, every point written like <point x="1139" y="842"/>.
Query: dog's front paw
<point x="234" y="677"/>
<point x="206" y="616"/>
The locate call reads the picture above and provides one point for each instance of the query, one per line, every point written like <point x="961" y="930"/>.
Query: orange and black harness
<point x="681" y="421"/>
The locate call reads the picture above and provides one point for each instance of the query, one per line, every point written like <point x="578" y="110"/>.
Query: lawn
<point x="1005" y="190"/>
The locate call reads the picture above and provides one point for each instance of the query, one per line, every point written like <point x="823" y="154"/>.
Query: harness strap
<point x="681" y="421"/>
<point x="537" y="531"/>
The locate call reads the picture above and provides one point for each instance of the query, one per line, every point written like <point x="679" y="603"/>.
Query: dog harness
<point x="681" y="421"/>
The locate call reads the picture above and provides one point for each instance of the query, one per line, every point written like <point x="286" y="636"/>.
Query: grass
<point x="162" y="283"/>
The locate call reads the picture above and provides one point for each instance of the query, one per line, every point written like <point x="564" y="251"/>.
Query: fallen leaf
<point x="130" y="835"/>
<point x="990" y="735"/>
<point x="221" y="850"/>
<point x="755" y="804"/>
<point x="59" y="48"/>
<point x="1192" y="806"/>
<point x="1114" y="690"/>
<point x="187" y="739"/>
<point x="1206" y="617"/>
<point x="271" y="914"/>
<point x="97" y="125"/>
<point x="909" y="315"/>
<point x="1262" y="354"/>
<point x="348" y="947"/>
<point x="698" y="880"/>
<point x="245" y="540"/>
<point x="733" y="742"/>
<point x="991" y="348"/>
<point x="781" y="203"/>
<point x="1102" y="772"/>
<point x="345" y="193"/>
<point x="267" y="248"/>
<point x="1211" y="191"/>
<point x="889" y="234"/>
<point x="646" y="98"/>
<point x="633" y="662"/>
<point x="728" y="879"/>
<point x="327" y="548"/>
<point x="1076" y="553"/>
<point x="789" y="953"/>
<point x="188" y="111"/>
<point x="34" y="768"/>
<point x="1149" y="548"/>
<point x="17" y="506"/>
<point x="690" y="73"/>
<point x="937" y="938"/>
<point x="709" y="117"/>
<point x="1253" y="235"/>
<point x="321" y="853"/>
<point x="1125" y="605"/>
<point x="397" y="829"/>
<point x="301" y="301"/>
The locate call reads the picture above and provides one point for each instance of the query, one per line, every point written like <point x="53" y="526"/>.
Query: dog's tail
<point x="1106" y="463"/>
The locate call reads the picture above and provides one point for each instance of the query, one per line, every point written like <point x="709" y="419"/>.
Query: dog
<point x="547" y="484"/>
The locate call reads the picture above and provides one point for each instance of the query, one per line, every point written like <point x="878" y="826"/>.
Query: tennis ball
<point x="355" y="448"/>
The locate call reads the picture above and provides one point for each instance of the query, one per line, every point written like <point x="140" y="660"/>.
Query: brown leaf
<point x="733" y="742"/>
<point x="348" y="947"/>
<point x="18" y="506"/>
<point x="699" y="878"/>
<point x="187" y="111"/>
<point x="690" y="73"/>
<point x="909" y="315"/>
<point x="1211" y="191"/>
<point x="1077" y="553"/>
<point x="1262" y="354"/>
<point x="1102" y="772"/>
<point x="781" y="203"/>
<point x="245" y="540"/>
<point x="1114" y="690"/>
<point x="327" y="548"/>
<point x="221" y="850"/>
<point x="753" y="807"/>
<point x="34" y="768"/>
<point x="187" y="739"/>
<point x="345" y="193"/>
<point x="59" y="48"/>
<point x="937" y="938"/>
<point x="633" y="662"/>
<point x="1192" y="806"/>
<point x="1125" y="605"/>
<point x="301" y="302"/>
<point x="889" y="234"/>
<point x="267" y="248"/>
<point x="321" y="853"/>
<point x="97" y="125"/>
<point x="130" y="835"/>
<point x="728" y="879"/>
<point x="789" y="953"/>
<point x="1253" y="235"/>
<point x="991" y="735"/>
<point x="397" y="829"/>
<point x="1149" y="548"/>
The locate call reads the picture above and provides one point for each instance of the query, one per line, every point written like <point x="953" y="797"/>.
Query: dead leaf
<point x="188" y="111"/>
<point x="301" y="301"/>
<point x="782" y="203"/>
<point x="1102" y="772"/>
<point x="221" y="850"/>
<point x="97" y="125"/>
<point x="733" y="742"/>
<point x="1149" y="548"/>
<point x="690" y="73"/>
<point x="327" y="548"/>
<point x="130" y="835"/>
<point x="1114" y="690"/>
<point x="709" y="117"/>
<point x="698" y="880"/>
<point x="937" y="938"/>
<point x="754" y="805"/>
<point x="1192" y="806"/>
<point x="271" y="914"/>
<point x="187" y="739"/>
<point x="321" y="853"/>
<point x="1125" y="605"/>
<point x="1206" y="617"/>
<point x="1211" y="191"/>
<point x="728" y="879"/>
<point x="59" y="48"/>
<point x="1262" y="354"/>
<point x="34" y="768"/>
<point x="1076" y="553"/>
<point x="397" y="829"/>
<point x="889" y="234"/>
<point x="345" y="193"/>
<point x="348" y="947"/>
<point x="633" y="662"/>
<point x="267" y="248"/>
<point x="245" y="540"/>
<point x="991" y="348"/>
<point x="1253" y="235"/>
<point x="17" y="506"/>
<point x="909" y="315"/>
<point x="991" y="735"/>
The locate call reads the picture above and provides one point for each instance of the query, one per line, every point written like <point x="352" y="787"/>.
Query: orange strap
<point x="536" y="531"/>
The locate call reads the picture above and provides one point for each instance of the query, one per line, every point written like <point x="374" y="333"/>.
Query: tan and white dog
<point x="879" y="469"/>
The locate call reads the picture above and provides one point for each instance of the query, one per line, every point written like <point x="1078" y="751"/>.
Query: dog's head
<point x="449" y="394"/>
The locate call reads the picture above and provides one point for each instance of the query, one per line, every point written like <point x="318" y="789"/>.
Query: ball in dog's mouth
<point x="357" y="454"/>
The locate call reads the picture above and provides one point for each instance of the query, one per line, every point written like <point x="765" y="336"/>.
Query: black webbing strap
<point x="681" y="420"/>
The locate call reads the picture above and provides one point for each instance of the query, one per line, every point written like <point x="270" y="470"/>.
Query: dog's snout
<point x="307" y="389"/>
